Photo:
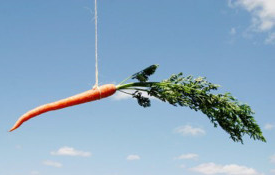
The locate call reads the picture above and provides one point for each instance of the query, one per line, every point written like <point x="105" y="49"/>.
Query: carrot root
<point x="87" y="96"/>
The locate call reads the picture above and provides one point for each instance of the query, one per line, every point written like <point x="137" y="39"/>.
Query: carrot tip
<point x="11" y="129"/>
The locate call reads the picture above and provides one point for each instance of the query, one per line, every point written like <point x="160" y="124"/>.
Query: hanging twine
<point x="96" y="54"/>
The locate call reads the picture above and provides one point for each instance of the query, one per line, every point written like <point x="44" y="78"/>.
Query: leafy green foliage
<point x="223" y="110"/>
<point x="143" y="75"/>
<point x="142" y="101"/>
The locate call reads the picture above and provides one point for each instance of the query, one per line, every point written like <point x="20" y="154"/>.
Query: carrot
<point x="223" y="110"/>
<point x="88" y="96"/>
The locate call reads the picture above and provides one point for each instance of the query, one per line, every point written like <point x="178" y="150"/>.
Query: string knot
<point x="99" y="90"/>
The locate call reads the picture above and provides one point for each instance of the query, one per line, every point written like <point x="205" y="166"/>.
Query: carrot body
<point x="87" y="96"/>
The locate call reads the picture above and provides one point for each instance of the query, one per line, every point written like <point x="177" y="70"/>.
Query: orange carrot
<point x="88" y="96"/>
<point x="222" y="109"/>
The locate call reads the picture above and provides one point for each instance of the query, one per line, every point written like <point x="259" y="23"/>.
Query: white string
<point x="96" y="54"/>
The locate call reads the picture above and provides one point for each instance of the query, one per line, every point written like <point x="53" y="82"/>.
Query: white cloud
<point x="272" y="159"/>
<point x="52" y="163"/>
<point x="35" y="173"/>
<point x="68" y="151"/>
<point x="272" y="171"/>
<point x="121" y="96"/>
<point x="189" y="130"/>
<point x="233" y="31"/>
<point x="270" y="39"/>
<point x="268" y="126"/>
<point x="124" y="96"/>
<point x="182" y="166"/>
<point x="18" y="147"/>
<point x="133" y="157"/>
<point x="262" y="11"/>
<point x="231" y="169"/>
<point x="188" y="156"/>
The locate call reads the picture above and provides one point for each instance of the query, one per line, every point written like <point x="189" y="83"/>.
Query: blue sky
<point x="47" y="53"/>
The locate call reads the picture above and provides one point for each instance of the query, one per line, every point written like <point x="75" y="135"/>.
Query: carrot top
<point x="223" y="110"/>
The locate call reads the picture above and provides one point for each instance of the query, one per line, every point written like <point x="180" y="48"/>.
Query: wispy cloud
<point x="269" y="126"/>
<point x="272" y="171"/>
<point x="18" y="147"/>
<point x="262" y="11"/>
<point x="233" y="31"/>
<point x="182" y="166"/>
<point x="133" y="157"/>
<point x="189" y="130"/>
<point x="121" y="96"/>
<point x="52" y="163"/>
<point x="69" y="151"/>
<point x="231" y="169"/>
<point x="188" y="156"/>
<point x="35" y="173"/>
<point x="262" y="16"/>
<point x="124" y="96"/>
<point x="270" y="39"/>
<point x="272" y="159"/>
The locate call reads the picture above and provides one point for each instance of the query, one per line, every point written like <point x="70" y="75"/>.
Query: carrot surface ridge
<point x="91" y="95"/>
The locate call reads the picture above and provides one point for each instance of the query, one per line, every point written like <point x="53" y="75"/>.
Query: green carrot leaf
<point x="143" y="75"/>
<point x="142" y="101"/>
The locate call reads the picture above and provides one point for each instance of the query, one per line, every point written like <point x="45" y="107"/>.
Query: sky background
<point x="47" y="53"/>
